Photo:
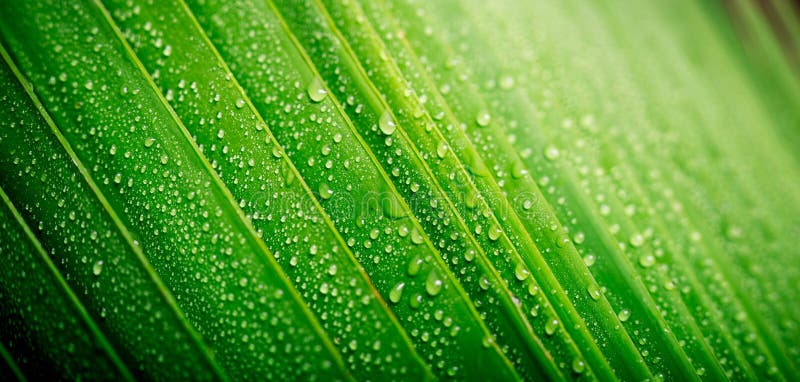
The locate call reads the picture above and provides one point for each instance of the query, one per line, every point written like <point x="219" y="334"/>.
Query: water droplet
<point x="316" y="90"/>
<point x="578" y="238"/>
<point x="550" y="326"/>
<point x="416" y="237"/>
<point x="594" y="292"/>
<point x="325" y="191"/>
<point x="578" y="366"/>
<point x="518" y="170"/>
<point x="416" y="301"/>
<point x="240" y="103"/>
<point x="469" y="255"/>
<point x="97" y="268"/>
<point x="521" y="272"/>
<point x="148" y="142"/>
<point x="484" y="283"/>
<point x="397" y="292"/>
<point x="402" y="231"/>
<point x="433" y="285"/>
<point x="414" y="266"/>
<point x="441" y="149"/>
<point x="452" y="371"/>
<point x="487" y="341"/>
<point x="495" y="232"/>
<point x="624" y="315"/>
<point x="637" y="240"/>
<point x="589" y="260"/>
<point x="647" y="260"/>
<point x="386" y="123"/>
<point x="551" y="152"/>
<point x="483" y="118"/>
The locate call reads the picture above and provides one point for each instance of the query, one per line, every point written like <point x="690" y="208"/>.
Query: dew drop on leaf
<point x="386" y="123"/>
<point x="578" y="366"/>
<point x="433" y="285"/>
<point x="397" y="292"/>
<point x="647" y="260"/>
<point x="316" y="91"/>
<point x="551" y="326"/>
<point x="414" y="266"/>
<point x="521" y="272"/>
<point x="637" y="240"/>
<point x="325" y="191"/>
<point x="551" y="152"/>
<point x="483" y="118"/>
<point x="594" y="292"/>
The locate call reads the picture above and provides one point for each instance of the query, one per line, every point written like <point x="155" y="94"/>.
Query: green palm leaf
<point x="402" y="190"/>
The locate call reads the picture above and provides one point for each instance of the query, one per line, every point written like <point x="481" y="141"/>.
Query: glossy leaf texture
<point x="399" y="190"/>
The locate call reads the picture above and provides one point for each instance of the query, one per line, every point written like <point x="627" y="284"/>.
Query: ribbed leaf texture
<point x="412" y="190"/>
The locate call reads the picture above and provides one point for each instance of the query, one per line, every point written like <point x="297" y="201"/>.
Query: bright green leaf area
<point x="399" y="190"/>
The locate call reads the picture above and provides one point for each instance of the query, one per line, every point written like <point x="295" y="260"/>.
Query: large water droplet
<point x="637" y="240"/>
<point x="521" y="272"/>
<point x="386" y="123"/>
<point x="469" y="255"/>
<point x="551" y="152"/>
<point x="483" y="118"/>
<point x="578" y="365"/>
<point x="647" y="260"/>
<point x="433" y="285"/>
<point x="325" y="191"/>
<point x="551" y="326"/>
<point x="316" y="90"/>
<point x="594" y="292"/>
<point x="416" y="237"/>
<point x="484" y="283"/>
<point x="397" y="292"/>
<point x="494" y="232"/>
<point x="441" y="149"/>
<point x="414" y="266"/>
<point x="416" y="301"/>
